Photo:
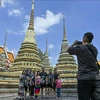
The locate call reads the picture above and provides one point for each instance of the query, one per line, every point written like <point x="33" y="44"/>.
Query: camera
<point x="79" y="42"/>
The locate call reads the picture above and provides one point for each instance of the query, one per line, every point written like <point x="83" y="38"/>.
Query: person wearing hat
<point x="88" y="86"/>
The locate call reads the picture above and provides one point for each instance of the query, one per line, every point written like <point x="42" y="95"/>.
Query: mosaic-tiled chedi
<point x="46" y="61"/>
<point x="27" y="58"/>
<point x="6" y="57"/>
<point x="67" y="66"/>
<point x="8" y="80"/>
<point x="28" y="54"/>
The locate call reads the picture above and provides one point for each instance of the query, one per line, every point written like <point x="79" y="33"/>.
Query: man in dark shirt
<point x="88" y="71"/>
<point x="50" y="78"/>
<point x="43" y="76"/>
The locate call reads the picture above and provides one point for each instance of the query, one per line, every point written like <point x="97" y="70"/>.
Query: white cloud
<point x="42" y="24"/>
<point x="27" y="17"/>
<point x="15" y="12"/>
<point x="51" y="58"/>
<point x="13" y="32"/>
<point x="4" y="2"/>
<point x="51" y="46"/>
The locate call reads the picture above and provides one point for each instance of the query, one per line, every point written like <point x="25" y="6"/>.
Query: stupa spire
<point x="64" y="29"/>
<point x="5" y="51"/>
<point x="31" y="23"/>
<point x="30" y="33"/>
<point x="5" y="40"/>
<point x="46" y="60"/>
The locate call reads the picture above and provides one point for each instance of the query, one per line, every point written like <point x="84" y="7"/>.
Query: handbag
<point x="94" y="56"/>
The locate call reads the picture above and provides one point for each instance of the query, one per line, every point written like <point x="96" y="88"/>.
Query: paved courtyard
<point x="13" y="97"/>
<point x="65" y="98"/>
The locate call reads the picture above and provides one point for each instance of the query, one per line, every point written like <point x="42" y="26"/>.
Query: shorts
<point x="50" y="85"/>
<point x="43" y="85"/>
<point x="25" y="88"/>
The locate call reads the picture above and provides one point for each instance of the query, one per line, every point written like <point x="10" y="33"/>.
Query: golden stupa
<point x="28" y="54"/>
<point x="27" y="58"/>
<point x="46" y="60"/>
<point x="67" y="67"/>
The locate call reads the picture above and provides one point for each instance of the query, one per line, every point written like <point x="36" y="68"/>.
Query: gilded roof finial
<point x="31" y="23"/>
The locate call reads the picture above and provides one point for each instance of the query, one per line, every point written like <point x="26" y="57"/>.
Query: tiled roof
<point x="10" y="54"/>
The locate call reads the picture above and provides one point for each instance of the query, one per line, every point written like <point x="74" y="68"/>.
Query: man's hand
<point x="75" y="42"/>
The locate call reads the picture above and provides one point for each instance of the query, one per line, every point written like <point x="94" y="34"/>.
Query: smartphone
<point x="79" y="42"/>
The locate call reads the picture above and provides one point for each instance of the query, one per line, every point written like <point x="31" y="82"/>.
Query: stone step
<point x="7" y="95"/>
<point x="69" y="90"/>
<point x="8" y="90"/>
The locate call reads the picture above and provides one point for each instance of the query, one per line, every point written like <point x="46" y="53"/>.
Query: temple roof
<point x="10" y="54"/>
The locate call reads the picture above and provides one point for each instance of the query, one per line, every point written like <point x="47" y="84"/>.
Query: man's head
<point x="87" y="38"/>
<point x="43" y="69"/>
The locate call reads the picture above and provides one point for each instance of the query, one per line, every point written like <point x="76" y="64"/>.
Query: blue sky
<point x="80" y="15"/>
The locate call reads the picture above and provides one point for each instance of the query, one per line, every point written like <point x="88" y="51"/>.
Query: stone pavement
<point x="8" y="96"/>
<point x="67" y="98"/>
<point x="13" y="96"/>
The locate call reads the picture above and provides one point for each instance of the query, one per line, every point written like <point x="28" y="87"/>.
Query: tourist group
<point x="39" y="84"/>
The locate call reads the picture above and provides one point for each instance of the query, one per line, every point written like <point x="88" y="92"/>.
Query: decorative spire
<point x="31" y="23"/>
<point x="46" y="46"/>
<point x="64" y="29"/>
<point x="5" y="40"/>
<point x="5" y="51"/>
